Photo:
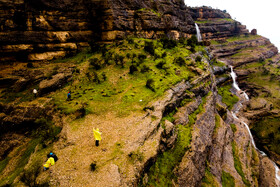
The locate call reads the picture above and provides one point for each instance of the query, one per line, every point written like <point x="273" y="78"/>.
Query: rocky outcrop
<point x="216" y="24"/>
<point x="43" y="30"/>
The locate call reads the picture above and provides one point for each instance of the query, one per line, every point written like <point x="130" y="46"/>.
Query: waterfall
<point x="198" y="35"/>
<point x="235" y="85"/>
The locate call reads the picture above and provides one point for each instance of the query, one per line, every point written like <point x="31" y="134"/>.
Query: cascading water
<point x="235" y="85"/>
<point x="198" y="35"/>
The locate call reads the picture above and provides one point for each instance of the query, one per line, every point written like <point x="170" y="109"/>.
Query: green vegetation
<point x="209" y="179"/>
<point x="152" y="66"/>
<point x="267" y="132"/>
<point x="161" y="173"/>
<point x="200" y="109"/>
<point x="233" y="127"/>
<point x="149" y="10"/>
<point x="28" y="150"/>
<point x="227" y="97"/>
<point x="238" y="165"/>
<point x="217" y="123"/>
<point x="46" y="132"/>
<point x="227" y="180"/>
<point x="218" y="63"/>
<point x="214" y="21"/>
<point x="243" y="37"/>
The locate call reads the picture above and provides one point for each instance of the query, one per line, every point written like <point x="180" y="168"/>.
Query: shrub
<point x="141" y="58"/>
<point x="156" y="56"/>
<point x="81" y="112"/>
<point x="183" y="41"/>
<point x="29" y="65"/>
<point x="104" y="77"/>
<point x="168" y="43"/>
<point x="198" y="58"/>
<point x="180" y="61"/>
<point x="145" y="69"/>
<point x="132" y="69"/>
<point x="163" y="55"/>
<point x="94" y="46"/>
<point x="96" y="78"/>
<point x="130" y="40"/>
<point x="150" y="84"/>
<point x="161" y="64"/>
<point x="121" y="60"/>
<point x="192" y="41"/>
<point x="149" y="47"/>
<point x="95" y="63"/>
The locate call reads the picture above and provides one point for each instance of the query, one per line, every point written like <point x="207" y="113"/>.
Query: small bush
<point x="81" y="112"/>
<point x="121" y="60"/>
<point x="160" y="64"/>
<point x="94" y="46"/>
<point x="168" y="43"/>
<point x="156" y="56"/>
<point x="198" y="58"/>
<point x="149" y="47"/>
<point x="233" y="127"/>
<point x="29" y="65"/>
<point x="180" y="61"/>
<point x="130" y="40"/>
<point x="150" y="84"/>
<point x="95" y="63"/>
<point x="145" y="69"/>
<point x="142" y="56"/>
<point x="104" y="77"/>
<point x="132" y="69"/>
<point x="192" y="41"/>
<point x="183" y="41"/>
<point x="96" y="78"/>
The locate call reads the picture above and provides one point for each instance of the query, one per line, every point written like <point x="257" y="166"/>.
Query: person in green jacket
<point x="97" y="136"/>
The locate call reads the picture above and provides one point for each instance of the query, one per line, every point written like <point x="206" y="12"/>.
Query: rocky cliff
<point x="43" y="30"/>
<point x="167" y="110"/>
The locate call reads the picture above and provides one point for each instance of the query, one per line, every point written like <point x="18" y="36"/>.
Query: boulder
<point x="254" y="32"/>
<point x="53" y="84"/>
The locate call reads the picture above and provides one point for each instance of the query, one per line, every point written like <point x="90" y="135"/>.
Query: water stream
<point x="198" y="35"/>
<point x="235" y="85"/>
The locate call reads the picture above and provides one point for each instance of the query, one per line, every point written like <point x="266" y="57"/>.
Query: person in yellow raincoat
<point x="97" y="136"/>
<point x="50" y="162"/>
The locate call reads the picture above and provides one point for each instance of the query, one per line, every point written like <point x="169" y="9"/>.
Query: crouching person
<point x="50" y="162"/>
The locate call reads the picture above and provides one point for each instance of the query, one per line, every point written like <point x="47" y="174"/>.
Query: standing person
<point x="97" y="136"/>
<point x="69" y="96"/>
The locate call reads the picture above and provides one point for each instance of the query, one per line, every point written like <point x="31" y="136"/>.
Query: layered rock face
<point x="216" y="24"/>
<point x="43" y="30"/>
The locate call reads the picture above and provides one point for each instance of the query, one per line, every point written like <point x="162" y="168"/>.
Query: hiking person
<point x="69" y="95"/>
<point x="97" y="136"/>
<point x="50" y="162"/>
<point x="52" y="158"/>
<point x="51" y="154"/>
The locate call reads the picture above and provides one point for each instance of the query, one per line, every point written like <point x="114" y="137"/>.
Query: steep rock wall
<point x="43" y="30"/>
